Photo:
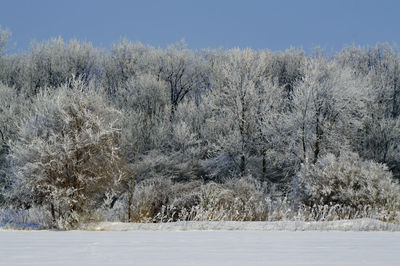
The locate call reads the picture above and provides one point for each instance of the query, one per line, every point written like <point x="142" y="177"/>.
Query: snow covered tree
<point x="327" y="105"/>
<point x="4" y="37"/>
<point x="54" y="62"/>
<point x="182" y="70"/>
<point x="67" y="156"/>
<point x="12" y="109"/>
<point x="236" y="85"/>
<point x="378" y="138"/>
<point x="274" y="135"/>
<point x="284" y="69"/>
<point x="124" y="63"/>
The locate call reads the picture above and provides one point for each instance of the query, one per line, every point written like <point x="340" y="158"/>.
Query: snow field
<point x="199" y="248"/>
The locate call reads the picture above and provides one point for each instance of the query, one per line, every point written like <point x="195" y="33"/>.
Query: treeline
<point x="140" y="133"/>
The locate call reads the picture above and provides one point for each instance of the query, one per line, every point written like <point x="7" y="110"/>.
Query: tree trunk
<point x="53" y="212"/>
<point x="130" y="201"/>
<point x="303" y="141"/>
<point x="173" y="110"/>
<point x="318" y="133"/>
<point x="264" y="164"/>
<point x="2" y="136"/>
<point x="242" y="165"/>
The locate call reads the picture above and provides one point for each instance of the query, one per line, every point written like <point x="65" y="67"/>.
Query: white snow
<point x="199" y="248"/>
<point x="341" y="225"/>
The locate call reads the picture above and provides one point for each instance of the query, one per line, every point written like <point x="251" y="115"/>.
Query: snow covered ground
<point x="207" y="243"/>
<point x="199" y="248"/>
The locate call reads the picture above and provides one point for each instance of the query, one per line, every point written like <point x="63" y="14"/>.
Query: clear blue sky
<point x="277" y="25"/>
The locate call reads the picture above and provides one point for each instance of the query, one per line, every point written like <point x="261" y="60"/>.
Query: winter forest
<point x="136" y="133"/>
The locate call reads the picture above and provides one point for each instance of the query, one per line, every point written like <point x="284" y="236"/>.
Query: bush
<point x="161" y="200"/>
<point x="66" y="156"/>
<point x="362" y="188"/>
<point x="236" y="200"/>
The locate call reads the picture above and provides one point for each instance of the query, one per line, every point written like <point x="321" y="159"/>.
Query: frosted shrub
<point x="160" y="200"/>
<point x="66" y="156"/>
<point x="148" y="198"/>
<point x="353" y="187"/>
<point x="236" y="200"/>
